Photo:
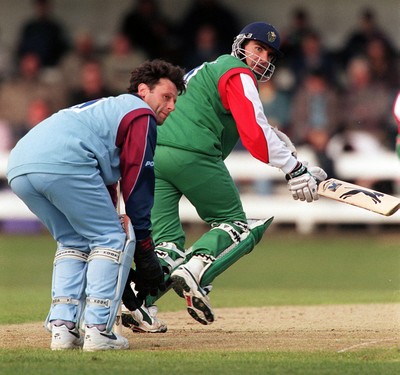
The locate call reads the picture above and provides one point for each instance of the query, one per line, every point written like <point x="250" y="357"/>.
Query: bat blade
<point x="359" y="196"/>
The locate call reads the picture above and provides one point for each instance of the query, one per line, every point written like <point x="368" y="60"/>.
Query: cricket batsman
<point x="221" y="105"/>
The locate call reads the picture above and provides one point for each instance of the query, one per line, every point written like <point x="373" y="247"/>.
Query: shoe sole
<point x="193" y="303"/>
<point x="104" y="347"/>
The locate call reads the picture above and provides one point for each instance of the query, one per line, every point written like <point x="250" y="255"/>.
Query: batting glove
<point x="303" y="182"/>
<point x="148" y="276"/>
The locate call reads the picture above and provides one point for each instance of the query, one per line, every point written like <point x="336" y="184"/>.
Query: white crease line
<point x="365" y="344"/>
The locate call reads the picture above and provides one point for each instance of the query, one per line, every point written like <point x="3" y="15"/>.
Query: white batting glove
<point x="303" y="182"/>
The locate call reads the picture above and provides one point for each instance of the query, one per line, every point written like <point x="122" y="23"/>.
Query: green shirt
<point x="200" y="122"/>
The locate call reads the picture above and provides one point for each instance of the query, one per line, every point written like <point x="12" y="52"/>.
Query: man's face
<point x="258" y="56"/>
<point x="161" y="98"/>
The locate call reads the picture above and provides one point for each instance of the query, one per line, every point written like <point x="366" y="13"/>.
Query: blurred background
<point x="332" y="93"/>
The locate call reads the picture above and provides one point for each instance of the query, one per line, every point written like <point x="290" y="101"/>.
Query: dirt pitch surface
<point x="336" y="328"/>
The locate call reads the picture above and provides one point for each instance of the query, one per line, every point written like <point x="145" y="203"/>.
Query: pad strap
<point x="233" y="233"/>
<point x="65" y="301"/>
<point x="106" y="254"/>
<point x="98" y="302"/>
<point x="70" y="253"/>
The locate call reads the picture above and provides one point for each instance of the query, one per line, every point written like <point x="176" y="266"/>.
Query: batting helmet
<point x="261" y="32"/>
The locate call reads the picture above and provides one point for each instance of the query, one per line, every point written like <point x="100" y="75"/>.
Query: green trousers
<point x="207" y="184"/>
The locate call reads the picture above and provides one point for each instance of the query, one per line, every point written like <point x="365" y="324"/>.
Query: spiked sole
<point x="194" y="304"/>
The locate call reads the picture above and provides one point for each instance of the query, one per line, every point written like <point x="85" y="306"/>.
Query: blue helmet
<point x="264" y="33"/>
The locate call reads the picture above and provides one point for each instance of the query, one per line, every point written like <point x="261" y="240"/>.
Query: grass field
<point x="285" y="269"/>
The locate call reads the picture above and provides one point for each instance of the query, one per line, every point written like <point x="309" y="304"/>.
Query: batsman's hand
<point x="148" y="276"/>
<point x="303" y="182"/>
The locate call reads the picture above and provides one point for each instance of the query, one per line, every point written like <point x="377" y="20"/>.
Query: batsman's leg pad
<point x="68" y="286"/>
<point x="108" y="264"/>
<point x="170" y="258"/>
<point x="169" y="255"/>
<point x="248" y="239"/>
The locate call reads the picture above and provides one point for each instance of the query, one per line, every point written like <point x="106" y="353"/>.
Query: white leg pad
<point x="68" y="298"/>
<point x="104" y="259"/>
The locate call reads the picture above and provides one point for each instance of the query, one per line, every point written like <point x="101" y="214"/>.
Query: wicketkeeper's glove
<point x="303" y="182"/>
<point x="148" y="276"/>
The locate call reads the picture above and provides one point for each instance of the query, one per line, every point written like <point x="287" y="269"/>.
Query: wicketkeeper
<point x="221" y="105"/>
<point x="64" y="169"/>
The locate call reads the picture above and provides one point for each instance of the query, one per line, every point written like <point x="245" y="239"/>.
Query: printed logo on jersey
<point x="149" y="163"/>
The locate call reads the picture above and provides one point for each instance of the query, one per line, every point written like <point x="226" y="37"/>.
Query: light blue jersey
<point x="76" y="140"/>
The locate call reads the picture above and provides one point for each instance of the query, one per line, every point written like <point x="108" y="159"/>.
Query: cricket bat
<point x="359" y="196"/>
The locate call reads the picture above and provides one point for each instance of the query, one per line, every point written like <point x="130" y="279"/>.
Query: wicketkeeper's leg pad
<point x="240" y="247"/>
<point x="113" y="265"/>
<point x="68" y="286"/>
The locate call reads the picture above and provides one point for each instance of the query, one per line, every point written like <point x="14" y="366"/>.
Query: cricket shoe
<point x="197" y="301"/>
<point x="143" y="320"/>
<point x="96" y="340"/>
<point x="63" y="338"/>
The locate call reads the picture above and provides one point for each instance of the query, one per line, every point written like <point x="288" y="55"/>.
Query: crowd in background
<point x="330" y="100"/>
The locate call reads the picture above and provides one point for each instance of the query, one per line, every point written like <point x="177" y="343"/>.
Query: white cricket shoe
<point x="143" y="319"/>
<point x="63" y="338"/>
<point x="186" y="286"/>
<point x="96" y="340"/>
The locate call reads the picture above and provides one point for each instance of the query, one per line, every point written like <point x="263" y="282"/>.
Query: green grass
<point x="284" y="269"/>
<point x="44" y="362"/>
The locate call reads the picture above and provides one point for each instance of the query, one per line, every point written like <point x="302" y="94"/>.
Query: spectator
<point x="276" y="104"/>
<point x="6" y="138"/>
<point x="396" y="114"/>
<point x="312" y="55"/>
<point x="365" y="110"/>
<point x="212" y="13"/>
<point x="148" y="29"/>
<point x="315" y="109"/>
<point x="38" y="110"/>
<point x="357" y="40"/>
<point x="84" y="49"/>
<point x="5" y="61"/>
<point x="92" y="84"/>
<point x="119" y="61"/>
<point x="44" y="35"/>
<point x="205" y="48"/>
<point x="300" y="25"/>
<point x="383" y="63"/>
<point x="29" y="83"/>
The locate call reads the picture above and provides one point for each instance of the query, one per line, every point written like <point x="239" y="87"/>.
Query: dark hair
<point x="150" y="72"/>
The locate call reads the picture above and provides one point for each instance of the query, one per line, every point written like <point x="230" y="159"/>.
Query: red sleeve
<point x="246" y="112"/>
<point x="239" y="95"/>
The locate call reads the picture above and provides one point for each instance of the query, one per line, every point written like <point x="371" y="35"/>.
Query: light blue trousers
<point x="79" y="213"/>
